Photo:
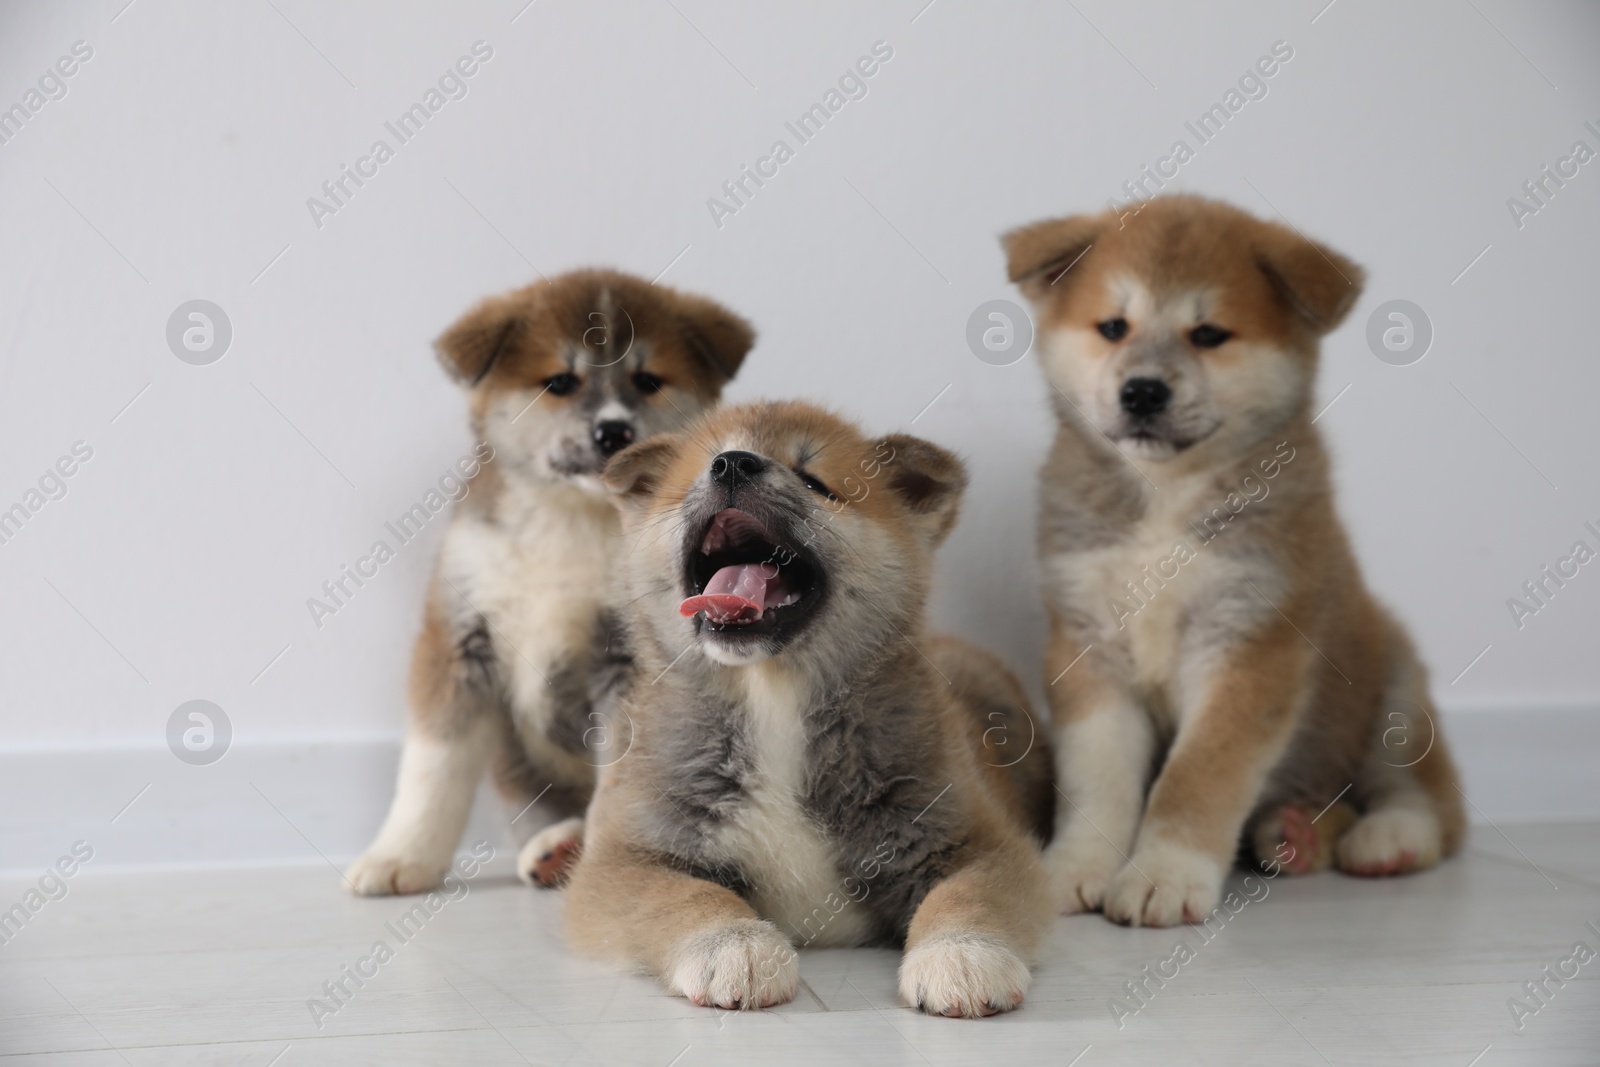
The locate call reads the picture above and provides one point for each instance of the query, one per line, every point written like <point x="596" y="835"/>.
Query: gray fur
<point x="872" y="779"/>
<point x="866" y="784"/>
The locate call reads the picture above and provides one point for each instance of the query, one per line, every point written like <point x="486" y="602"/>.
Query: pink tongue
<point x="734" y="594"/>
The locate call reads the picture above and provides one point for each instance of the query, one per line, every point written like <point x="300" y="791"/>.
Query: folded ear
<point x="927" y="479"/>
<point x="1038" y="255"/>
<point x="470" y="348"/>
<point x="1318" y="284"/>
<point x="715" y="334"/>
<point x="634" y="474"/>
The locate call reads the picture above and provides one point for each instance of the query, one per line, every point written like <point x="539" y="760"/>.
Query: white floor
<point x="218" y="966"/>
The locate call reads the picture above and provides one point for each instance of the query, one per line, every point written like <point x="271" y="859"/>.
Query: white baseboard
<point x="268" y="803"/>
<point x="283" y="802"/>
<point x="1527" y="764"/>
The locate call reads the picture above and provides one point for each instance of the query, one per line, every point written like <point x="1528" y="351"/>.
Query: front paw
<point x="963" y="976"/>
<point x="743" y="964"/>
<point x="1164" y="885"/>
<point x="1079" y="873"/>
<point x="382" y="874"/>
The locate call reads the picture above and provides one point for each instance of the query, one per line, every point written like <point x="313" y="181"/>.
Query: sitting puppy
<point x="1209" y="626"/>
<point x="807" y="766"/>
<point x="518" y="652"/>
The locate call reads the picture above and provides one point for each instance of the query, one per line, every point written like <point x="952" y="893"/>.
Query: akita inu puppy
<point x="1216" y="663"/>
<point x="519" y="652"/>
<point x="807" y="766"/>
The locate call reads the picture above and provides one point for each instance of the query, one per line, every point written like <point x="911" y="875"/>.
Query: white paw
<point x="1164" y="885"/>
<point x="1080" y="871"/>
<point x="1391" y="841"/>
<point x="745" y="964"/>
<point x="382" y="874"/>
<point x="963" y="976"/>
<point x="547" y="859"/>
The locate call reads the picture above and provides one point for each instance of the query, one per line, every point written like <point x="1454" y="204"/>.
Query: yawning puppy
<point x="518" y="653"/>
<point x="807" y="766"/>
<point x="1209" y="626"/>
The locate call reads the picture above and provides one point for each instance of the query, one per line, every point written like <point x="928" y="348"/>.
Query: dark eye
<point x="647" y="383"/>
<point x="1114" y="329"/>
<point x="561" y="384"/>
<point x="1206" y="335"/>
<point x="813" y="483"/>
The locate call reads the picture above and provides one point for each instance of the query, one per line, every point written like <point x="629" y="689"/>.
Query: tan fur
<point x="1012" y="747"/>
<point x="507" y="667"/>
<point x="1257" y="674"/>
<point x="716" y="903"/>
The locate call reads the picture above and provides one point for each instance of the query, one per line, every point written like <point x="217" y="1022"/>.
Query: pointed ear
<point x="1040" y="254"/>
<point x="1318" y="284"/>
<point x="715" y="334"/>
<point x="470" y="349"/>
<point x="634" y="474"/>
<point x="927" y="479"/>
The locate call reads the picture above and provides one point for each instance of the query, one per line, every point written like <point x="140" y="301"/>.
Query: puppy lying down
<point x="806" y="765"/>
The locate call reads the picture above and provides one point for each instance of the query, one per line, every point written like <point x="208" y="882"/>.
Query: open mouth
<point x="743" y="581"/>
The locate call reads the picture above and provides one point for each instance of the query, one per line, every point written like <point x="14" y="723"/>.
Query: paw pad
<point x="552" y="868"/>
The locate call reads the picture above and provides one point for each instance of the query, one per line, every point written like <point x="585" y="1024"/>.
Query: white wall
<point x="179" y="163"/>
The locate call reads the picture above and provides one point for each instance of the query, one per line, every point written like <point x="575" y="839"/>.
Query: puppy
<point x="1212" y="644"/>
<point x="808" y="766"/>
<point x="519" y="652"/>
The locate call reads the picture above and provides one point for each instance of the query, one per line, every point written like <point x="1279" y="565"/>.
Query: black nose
<point x="1143" y="397"/>
<point x="731" y="468"/>
<point x="612" y="437"/>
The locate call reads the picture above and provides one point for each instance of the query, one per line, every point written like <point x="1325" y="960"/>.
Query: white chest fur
<point x="1164" y="597"/>
<point x="539" y="572"/>
<point x="791" y="864"/>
